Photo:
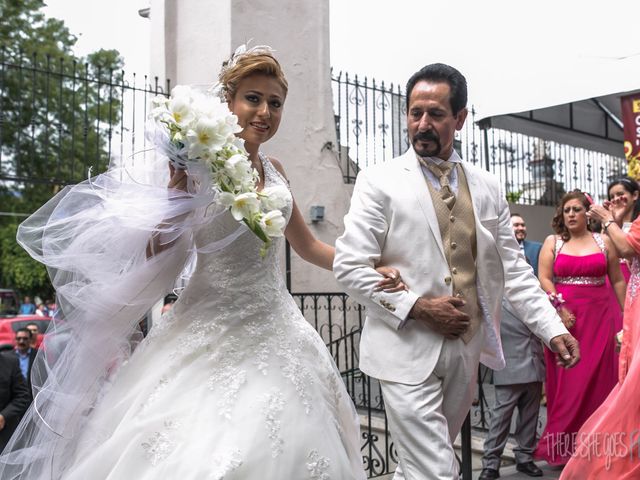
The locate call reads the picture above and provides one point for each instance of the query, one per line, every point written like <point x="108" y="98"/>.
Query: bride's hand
<point x="392" y="281"/>
<point x="178" y="179"/>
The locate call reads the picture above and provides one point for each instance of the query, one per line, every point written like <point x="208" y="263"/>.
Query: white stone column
<point x="199" y="34"/>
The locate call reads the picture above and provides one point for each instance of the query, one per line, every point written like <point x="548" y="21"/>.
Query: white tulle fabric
<point x="232" y="383"/>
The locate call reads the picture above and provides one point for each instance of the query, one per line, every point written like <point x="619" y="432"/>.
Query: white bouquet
<point x="194" y="127"/>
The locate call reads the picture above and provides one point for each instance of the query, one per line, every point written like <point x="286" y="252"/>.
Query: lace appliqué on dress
<point x="227" y="377"/>
<point x="162" y="384"/>
<point x="225" y="463"/>
<point x="273" y="405"/>
<point x="318" y="466"/>
<point x="160" y="445"/>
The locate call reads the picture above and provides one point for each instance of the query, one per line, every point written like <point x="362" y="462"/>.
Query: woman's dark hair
<point x="439" y="72"/>
<point x="557" y="223"/>
<point x="631" y="186"/>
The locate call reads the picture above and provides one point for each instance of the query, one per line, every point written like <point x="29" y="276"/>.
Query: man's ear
<point x="461" y="116"/>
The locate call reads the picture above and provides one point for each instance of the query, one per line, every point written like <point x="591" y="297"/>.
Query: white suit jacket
<point x="392" y="222"/>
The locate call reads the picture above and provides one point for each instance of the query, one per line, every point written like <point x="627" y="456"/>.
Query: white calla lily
<point x="238" y="167"/>
<point x="242" y="206"/>
<point x="273" y="223"/>
<point x="205" y="138"/>
<point x="180" y="111"/>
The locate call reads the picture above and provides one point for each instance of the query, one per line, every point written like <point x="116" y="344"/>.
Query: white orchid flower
<point x="238" y="167"/>
<point x="273" y="223"/>
<point x="242" y="206"/>
<point x="181" y="112"/>
<point x="274" y="198"/>
<point x="205" y="138"/>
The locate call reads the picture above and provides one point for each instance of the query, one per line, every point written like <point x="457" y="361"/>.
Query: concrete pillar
<point x="191" y="38"/>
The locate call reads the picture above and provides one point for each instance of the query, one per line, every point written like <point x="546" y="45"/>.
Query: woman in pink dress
<point x="574" y="265"/>
<point x="608" y="441"/>
<point x="625" y="192"/>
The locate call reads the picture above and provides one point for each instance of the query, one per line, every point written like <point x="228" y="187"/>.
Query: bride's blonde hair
<point x="258" y="60"/>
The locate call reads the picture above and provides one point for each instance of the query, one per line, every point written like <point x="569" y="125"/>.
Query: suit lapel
<point x="418" y="184"/>
<point x="472" y="182"/>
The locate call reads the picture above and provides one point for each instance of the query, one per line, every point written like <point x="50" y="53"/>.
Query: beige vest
<point x="458" y="233"/>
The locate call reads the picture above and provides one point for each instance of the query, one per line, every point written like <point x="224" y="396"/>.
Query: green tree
<point x="57" y="112"/>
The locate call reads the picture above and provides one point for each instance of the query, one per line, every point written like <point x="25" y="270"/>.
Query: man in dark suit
<point x="26" y="354"/>
<point x="519" y="384"/>
<point x="14" y="396"/>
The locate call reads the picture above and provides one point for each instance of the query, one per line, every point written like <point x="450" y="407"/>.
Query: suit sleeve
<point x="359" y="250"/>
<point x="522" y="288"/>
<point x="19" y="393"/>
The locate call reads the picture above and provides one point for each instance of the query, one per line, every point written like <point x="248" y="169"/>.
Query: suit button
<point x="452" y="218"/>
<point x="454" y="245"/>
<point x="447" y="280"/>
<point x="454" y="270"/>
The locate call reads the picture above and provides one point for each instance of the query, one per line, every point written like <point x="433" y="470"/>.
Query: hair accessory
<point x="588" y="197"/>
<point x="242" y="51"/>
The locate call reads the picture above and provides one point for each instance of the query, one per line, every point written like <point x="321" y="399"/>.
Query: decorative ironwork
<point x="60" y="120"/>
<point x="533" y="171"/>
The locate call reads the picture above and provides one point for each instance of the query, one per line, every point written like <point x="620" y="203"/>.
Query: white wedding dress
<point x="232" y="383"/>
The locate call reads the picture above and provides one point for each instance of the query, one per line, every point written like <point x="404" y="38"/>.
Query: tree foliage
<point x="57" y="111"/>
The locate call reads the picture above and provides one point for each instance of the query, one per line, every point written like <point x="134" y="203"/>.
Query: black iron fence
<point x="371" y="127"/>
<point x="59" y="120"/>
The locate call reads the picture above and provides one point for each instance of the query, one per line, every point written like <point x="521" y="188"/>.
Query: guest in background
<point x="26" y="355"/>
<point x="624" y="193"/>
<point x="518" y="385"/>
<point x="35" y="334"/>
<point x="618" y="417"/>
<point x="530" y="249"/>
<point x="14" y="396"/>
<point x="27" y="307"/>
<point x="573" y="266"/>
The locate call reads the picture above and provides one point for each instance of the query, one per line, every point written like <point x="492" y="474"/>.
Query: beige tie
<point x="442" y="171"/>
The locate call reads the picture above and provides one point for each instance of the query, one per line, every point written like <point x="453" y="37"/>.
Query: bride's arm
<point x="321" y="254"/>
<point x="301" y="238"/>
<point x="177" y="181"/>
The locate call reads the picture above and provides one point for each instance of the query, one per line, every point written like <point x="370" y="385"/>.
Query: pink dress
<point x="574" y="394"/>
<point x="608" y="442"/>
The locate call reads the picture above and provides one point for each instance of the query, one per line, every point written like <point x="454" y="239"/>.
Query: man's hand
<point x="442" y="315"/>
<point x="566" y="349"/>
<point x="2" y="422"/>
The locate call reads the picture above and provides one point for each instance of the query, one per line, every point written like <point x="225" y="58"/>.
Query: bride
<point x="231" y="383"/>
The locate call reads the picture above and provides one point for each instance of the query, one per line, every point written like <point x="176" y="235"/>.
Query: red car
<point x="10" y="325"/>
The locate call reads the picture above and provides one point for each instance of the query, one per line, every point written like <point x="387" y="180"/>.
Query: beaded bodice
<point x="580" y="270"/>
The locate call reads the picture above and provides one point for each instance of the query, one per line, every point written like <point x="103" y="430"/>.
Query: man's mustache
<point x="429" y="135"/>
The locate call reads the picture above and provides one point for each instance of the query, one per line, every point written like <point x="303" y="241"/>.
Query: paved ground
<point x="510" y="473"/>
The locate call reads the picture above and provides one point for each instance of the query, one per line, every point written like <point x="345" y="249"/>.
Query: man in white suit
<point x="446" y="226"/>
